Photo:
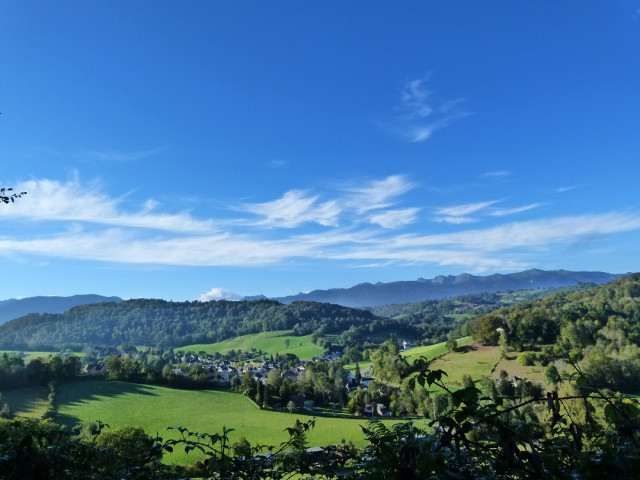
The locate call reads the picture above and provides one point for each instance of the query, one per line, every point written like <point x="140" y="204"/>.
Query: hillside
<point x="598" y="328"/>
<point x="371" y="295"/>
<point x="14" y="308"/>
<point x="151" y="322"/>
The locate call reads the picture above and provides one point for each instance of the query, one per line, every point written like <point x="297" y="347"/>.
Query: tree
<point x="127" y="447"/>
<point x="552" y="375"/>
<point x="248" y="384"/>
<point x="357" y="402"/>
<point x="115" y="368"/>
<point x="242" y="448"/>
<point x="357" y="375"/>
<point x="259" y="393"/>
<point x="527" y="359"/>
<point x="55" y="365"/>
<point x="71" y="366"/>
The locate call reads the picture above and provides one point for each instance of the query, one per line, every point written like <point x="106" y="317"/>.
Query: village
<point x="283" y="382"/>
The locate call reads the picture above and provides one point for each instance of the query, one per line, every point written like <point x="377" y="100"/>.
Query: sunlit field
<point x="155" y="408"/>
<point x="477" y="361"/>
<point x="271" y="343"/>
<point x="432" y="351"/>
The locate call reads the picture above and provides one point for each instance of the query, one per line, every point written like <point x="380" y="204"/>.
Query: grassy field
<point x="477" y="361"/>
<point x="270" y="342"/>
<point x="429" y="352"/>
<point x="155" y="408"/>
<point x="29" y="402"/>
<point x="510" y="365"/>
<point x="432" y="351"/>
<point x="28" y="356"/>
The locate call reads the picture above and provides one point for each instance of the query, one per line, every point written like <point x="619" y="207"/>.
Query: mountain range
<point x="371" y="295"/>
<point x="14" y="308"/>
<point x="361" y="295"/>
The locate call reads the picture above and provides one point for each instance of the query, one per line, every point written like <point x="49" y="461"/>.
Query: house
<point x="366" y="381"/>
<point x="223" y="374"/>
<point x="94" y="369"/>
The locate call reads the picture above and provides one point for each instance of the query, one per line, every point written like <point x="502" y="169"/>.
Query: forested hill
<point x="599" y="327"/>
<point x="440" y="287"/>
<point x="158" y="322"/>
<point x="584" y="312"/>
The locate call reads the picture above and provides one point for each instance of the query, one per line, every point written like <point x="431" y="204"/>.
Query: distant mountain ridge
<point x="14" y="308"/>
<point x="371" y="295"/>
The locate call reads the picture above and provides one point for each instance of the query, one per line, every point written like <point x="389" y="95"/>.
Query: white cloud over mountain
<point x="218" y="293"/>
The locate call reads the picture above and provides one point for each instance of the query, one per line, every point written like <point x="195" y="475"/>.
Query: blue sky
<point x="201" y="149"/>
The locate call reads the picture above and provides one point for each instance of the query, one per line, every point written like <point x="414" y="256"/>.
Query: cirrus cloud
<point x="87" y="224"/>
<point x="423" y="113"/>
<point x="52" y="200"/>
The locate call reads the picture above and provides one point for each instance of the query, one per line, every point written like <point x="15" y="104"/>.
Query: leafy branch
<point x="7" y="197"/>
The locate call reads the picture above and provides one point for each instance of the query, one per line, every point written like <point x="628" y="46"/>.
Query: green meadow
<point x="432" y="351"/>
<point x="29" y="402"/>
<point x="28" y="356"/>
<point x="155" y="408"/>
<point x="512" y="367"/>
<point x="270" y="342"/>
<point x="477" y="361"/>
<point x="412" y="354"/>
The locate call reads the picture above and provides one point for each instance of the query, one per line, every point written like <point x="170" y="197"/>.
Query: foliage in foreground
<point x="486" y="434"/>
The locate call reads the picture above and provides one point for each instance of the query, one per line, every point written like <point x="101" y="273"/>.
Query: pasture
<point x="477" y="361"/>
<point x="271" y="343"/>
<point x="432" y="351"/>
<point x="510" y="365"/>
<point x="155" y="408"/>
<point x="29" y="402"/>
<point x="28" y="356"/>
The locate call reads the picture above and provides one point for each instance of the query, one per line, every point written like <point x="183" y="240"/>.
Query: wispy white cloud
<point x="510" y="211"/>
<point x="566" y="189"/>
<point x="120" y="155"/>
<point x="395" y="218"/>
<point x="471" y="260"/>
<point x="293" y="209"/>
<point x="218" y="293"/>
<point x="466" y="209"/>
<point x="98" y="228"/>
<point x="533" y="233"/>
<point x="378" y="194"/>
<point x="497" y="173"/>
<point x="456" y="220"/>
<point x="417" y="99"/>
<point x="277" y="163"/>
<point x="297" y="207"/>
<point x="72" y="201"/>
<point x="423" y="112"/>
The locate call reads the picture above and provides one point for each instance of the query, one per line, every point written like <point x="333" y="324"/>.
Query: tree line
<point x="158" y="323"/>
<point x="598" y="327"/>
